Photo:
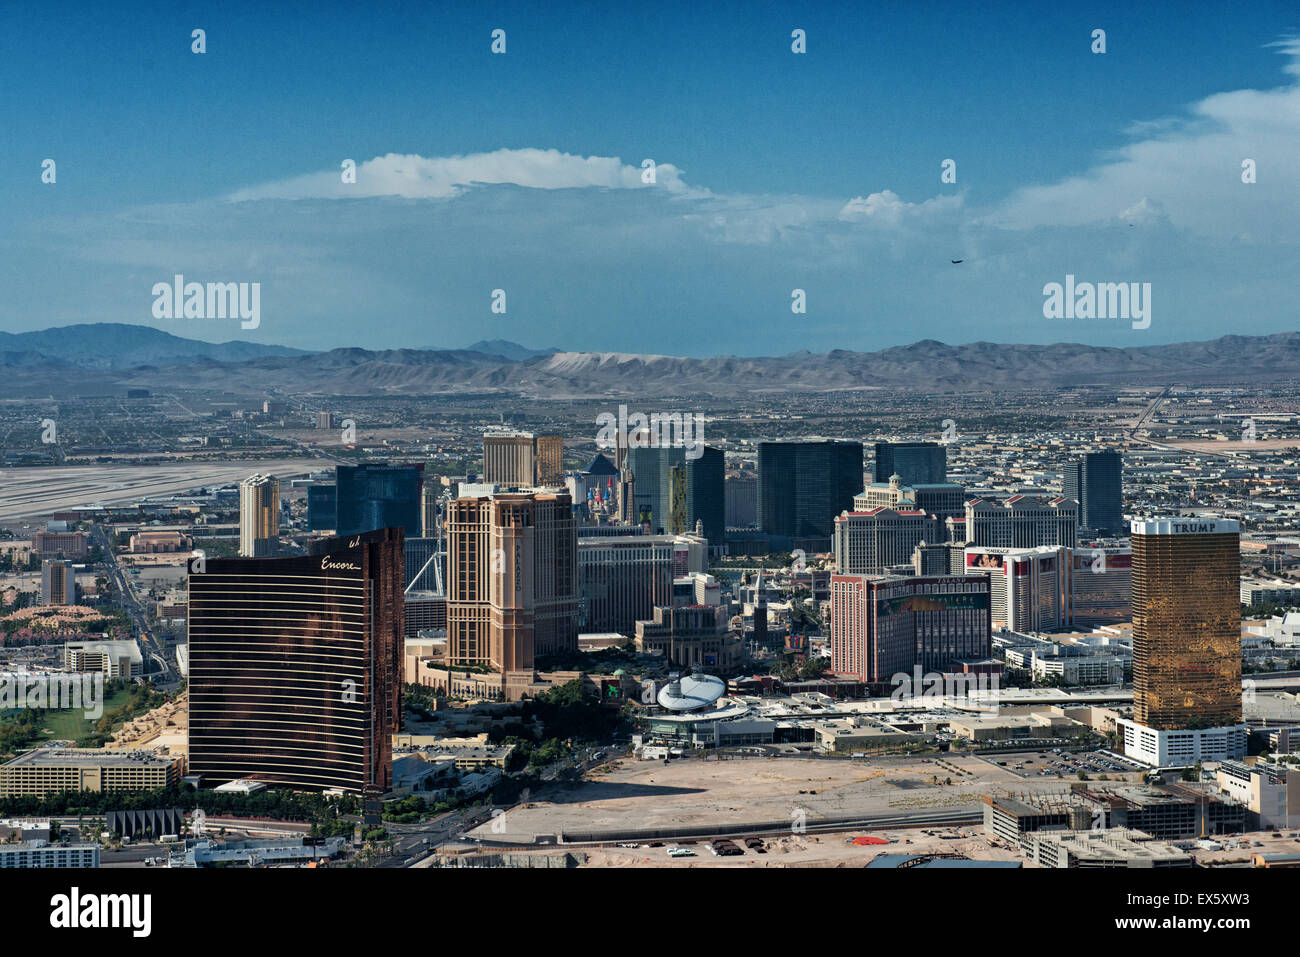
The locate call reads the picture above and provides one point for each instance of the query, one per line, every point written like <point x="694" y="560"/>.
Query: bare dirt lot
<point x="631" y="794"/>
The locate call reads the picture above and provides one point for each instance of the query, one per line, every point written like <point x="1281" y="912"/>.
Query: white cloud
<point x="411" y="176"/>
<point x="884" y="205"/>
<point x="888" y="208"/>
<point x="1145" y="212"/>
<point x="1189" y="170"/>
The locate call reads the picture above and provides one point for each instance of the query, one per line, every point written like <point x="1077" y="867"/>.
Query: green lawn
<point x="71" y="725"/>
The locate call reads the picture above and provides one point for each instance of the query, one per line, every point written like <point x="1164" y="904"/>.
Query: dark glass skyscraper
<point x="322" y="508"/>
<point x="802" y="486"/>
<point x="1097" y="484"/>
<point x="295" y="665"/>
<point x="652" y="484"/>
<point x="916" y="463"/>
<point x="373" y="496"/>
<point x="658" y="493"/>
<point x="706" y="495"/>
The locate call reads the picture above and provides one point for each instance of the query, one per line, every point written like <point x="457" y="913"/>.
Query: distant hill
<point x="508" y="350"/>
<point x="119" y="357"/>
<point x="116" y="345"/>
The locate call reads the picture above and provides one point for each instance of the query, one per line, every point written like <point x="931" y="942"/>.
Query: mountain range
<point x="112" y="345"/>
<point x="106" y="357"/>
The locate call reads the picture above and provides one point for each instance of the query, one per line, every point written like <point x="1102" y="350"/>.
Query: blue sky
<point x="777" y="171"/>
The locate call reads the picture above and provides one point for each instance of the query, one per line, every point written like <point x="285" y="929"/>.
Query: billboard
<point x="940" y="602"/>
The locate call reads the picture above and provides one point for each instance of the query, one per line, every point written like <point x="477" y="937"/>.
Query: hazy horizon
<point x="562" y="349"/>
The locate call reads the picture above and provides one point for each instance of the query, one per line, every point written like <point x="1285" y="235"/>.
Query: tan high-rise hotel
<point x="522" y="458"/>
<point x="512" y="583"/>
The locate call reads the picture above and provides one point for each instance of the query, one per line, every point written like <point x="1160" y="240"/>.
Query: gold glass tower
<point x="1186" y="624"/>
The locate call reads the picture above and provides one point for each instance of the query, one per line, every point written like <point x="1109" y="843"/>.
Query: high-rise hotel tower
<point x="1096" y="482"/>
<point x="1186" y="642"/>
<point x="259" y="516"/>
<point x="522" y="458"/>
<point x="512" y="579"/>
<point x="295" y="665"/>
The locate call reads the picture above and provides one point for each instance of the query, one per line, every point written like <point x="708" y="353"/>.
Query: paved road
<point x="419" y="840"/>
<point x="154" y="647"/>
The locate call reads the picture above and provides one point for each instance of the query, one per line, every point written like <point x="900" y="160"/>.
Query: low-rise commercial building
<point x="46" y="770"/>
<point x="149" y="543"/>
<point x="1270" y="791"/>
<point x="279" y="851"/>
<point x="468" y="754"/>
<point x="1184" y="747"/>
<point x="1072" y="665"/>
<point x="728" y="724"/>
<point x="1036" y="725"/>
<point x="112" y="659"/>
<point x="1257" y="591"/>
<point x="690" y="635"/>
<point x="40" y="854"/>
<point x="1165" y="812"/>
<point x="862" y="734"/>
<point x="1106" y="848"/>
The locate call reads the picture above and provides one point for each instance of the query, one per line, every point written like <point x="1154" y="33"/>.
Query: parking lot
<point x="1060" y="763"/>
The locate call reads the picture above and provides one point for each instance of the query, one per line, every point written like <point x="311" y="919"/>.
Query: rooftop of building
<point x="89" y="758"/>
<point x="1012" y="806"/>
<point x="946" y="486"/>
<point x="106" y="646"/>
<point x="1113" y="843"/>
<point x="882" y="509"/>
<point x="600" y="465"/>
<point x="37" y="844"/>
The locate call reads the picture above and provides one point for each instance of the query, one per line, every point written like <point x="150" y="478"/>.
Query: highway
<point x="419" y="840"/>
<point x="1132" y="434"/>
<point x="166" y="678"/>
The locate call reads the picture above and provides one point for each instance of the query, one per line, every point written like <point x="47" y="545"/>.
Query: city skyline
<point x="854" y="437"/>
